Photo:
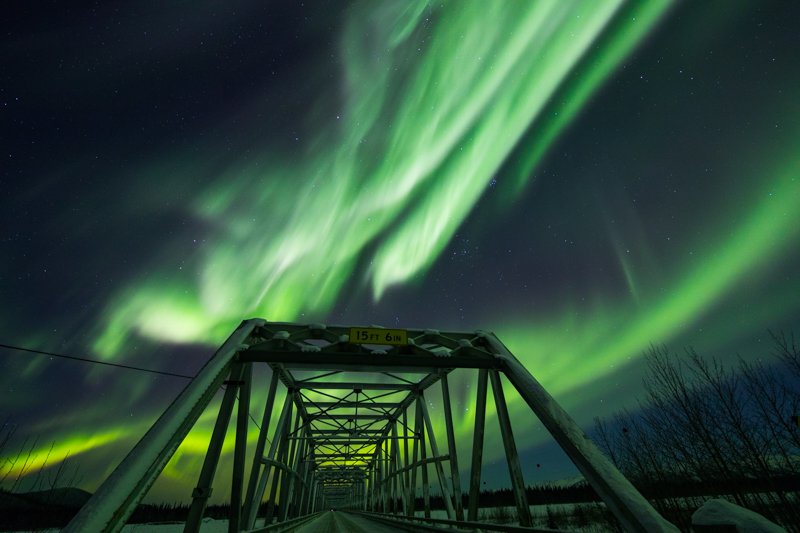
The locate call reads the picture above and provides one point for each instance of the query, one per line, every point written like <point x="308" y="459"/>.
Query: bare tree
<point x="702" y="426"/>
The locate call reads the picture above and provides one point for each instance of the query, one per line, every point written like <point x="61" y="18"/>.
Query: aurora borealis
<point x="583" y="178"/>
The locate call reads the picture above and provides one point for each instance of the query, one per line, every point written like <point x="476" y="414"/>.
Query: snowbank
<point x="720" y="512"/>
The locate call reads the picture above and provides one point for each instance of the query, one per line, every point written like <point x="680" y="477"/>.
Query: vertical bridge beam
<point x="406" y="474"/>
<point x="451" y="447"/>
<point x="477" y="447"/>
<point x="262" y="482"/>
<point x="426" y="494"/>
<point x="240" y="448"/>
<point x="412" y="486"/>
<point x="448" y="504"/>
<point x="280" y="440"/>
<point x="514" y="469"/>
<point x="202" y="491"/>
<point x="286" y="478"/>
<point x="255" y="470"/>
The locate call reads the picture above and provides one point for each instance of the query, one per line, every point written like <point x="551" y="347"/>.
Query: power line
<point x="112" y="364"/>
<point x="97" y="362"/>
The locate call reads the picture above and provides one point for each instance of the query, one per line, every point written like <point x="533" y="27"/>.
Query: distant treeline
<point x="25" y="512"/>
<point x="584" y="493"/>
<point x="538" y="495"/>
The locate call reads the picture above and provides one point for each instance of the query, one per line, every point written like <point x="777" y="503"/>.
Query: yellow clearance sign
<point x="394" y="337"/>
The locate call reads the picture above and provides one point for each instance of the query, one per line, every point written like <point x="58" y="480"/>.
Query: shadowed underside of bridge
<point x="363" y="445"/>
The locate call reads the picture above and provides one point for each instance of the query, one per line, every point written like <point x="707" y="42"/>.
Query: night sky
<point x="582" y="178"/>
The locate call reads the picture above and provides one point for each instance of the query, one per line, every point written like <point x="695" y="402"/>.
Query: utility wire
<point x="112" y="364"/>
<point x="98" y="362"/>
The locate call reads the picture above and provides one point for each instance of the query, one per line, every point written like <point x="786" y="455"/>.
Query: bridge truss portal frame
<point x="352" y="450"/>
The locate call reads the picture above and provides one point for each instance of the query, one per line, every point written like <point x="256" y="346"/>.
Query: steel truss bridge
<point x="353" y="445"/>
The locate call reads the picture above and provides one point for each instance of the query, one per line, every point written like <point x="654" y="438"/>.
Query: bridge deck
<point x="339" y="522"/>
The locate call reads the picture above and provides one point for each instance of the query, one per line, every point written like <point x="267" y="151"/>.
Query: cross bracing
<point x="363" y="443"/>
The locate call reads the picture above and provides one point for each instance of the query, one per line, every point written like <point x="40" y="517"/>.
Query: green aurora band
<point x="418" y="144"/>
<point x="425" y="126"/>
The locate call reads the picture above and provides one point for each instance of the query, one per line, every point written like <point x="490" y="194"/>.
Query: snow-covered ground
<point x="716" y="511"/>
<point x="565" y="516"/>
<point x="536" y="510"/>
